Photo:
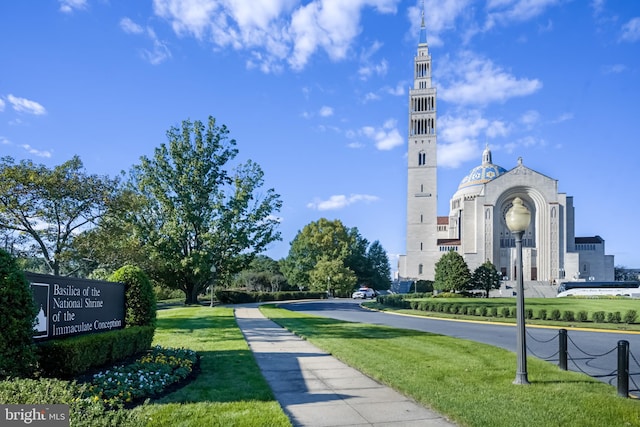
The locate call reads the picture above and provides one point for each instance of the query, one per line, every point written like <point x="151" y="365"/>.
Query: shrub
<point x="583" y="316"/>
<point x="68" y="357"/>
<point x="505" y="311"/>
<point x="598" y="317"/>
<point x="630" y="316"/>
<point x="140" y="300"/>
<point x="542" y="314"/>
<point x="555" y="314"/>
<point x="17" y="320"/>
<point x="494" y="311"/>
<point x="614" y="317"/>
<point x="528" y="313"/>
<point x="568" y="316"/>
<point x="83" y="412"/>
<point x="163" y="293"/>
<point x="484" y="310"/>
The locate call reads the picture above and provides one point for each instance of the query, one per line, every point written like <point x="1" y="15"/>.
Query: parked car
<point x="364" y="293"/>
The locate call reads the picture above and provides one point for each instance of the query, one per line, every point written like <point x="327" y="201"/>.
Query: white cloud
<point x="631" y="31"/>
<point x="459" y="137"/>
<point x="398" y="90"/>
<point x="369" y="96"/>
<point x="68" y="6"/>
<point x="158" y="54"/>
<point x="455" y="154"/>
<point x="440" y="16"/>
<point x="614" y="69"/>
<point x="476" y="80"/>
<point x="563" y="118"/>
<point x="2" y="104"/>
<point x="4" y="141"/>
<point x="130" y="27"/>
<point x="386" y="137"/>
<point x="23" y="105"/>
<point x="457" y="128"/>
<point x="160" y="51"/>
<point x="530" y="118"/>
<point x="273" y="31"/>
<point x="507" y="11"/>
<point x="527" y="141"/>
<point x="497" y="128"/>
<point x="340" y="201"/>
<point x="326" y="111"/>
<point x="36" y="152"/>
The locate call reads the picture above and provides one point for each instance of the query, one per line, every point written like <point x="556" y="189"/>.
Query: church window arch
<point x="422" y="158"/>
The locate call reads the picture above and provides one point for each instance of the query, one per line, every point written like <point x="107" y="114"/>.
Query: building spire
<point x="423" y="28"/>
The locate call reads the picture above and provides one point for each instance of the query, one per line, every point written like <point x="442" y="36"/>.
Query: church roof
<point x="483" y="173"/>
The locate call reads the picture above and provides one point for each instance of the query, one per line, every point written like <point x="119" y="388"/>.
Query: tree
<point x="452" y="273"/>
<point x="140" y="300"/>
<point x="17" y="320"/>
<point x="332" y="276"/>
<point x="326" y="239"/>
<point x="198" y="212"/>
<point x="486" y="277"/>
<point x="380" y="269"/>
<point x="317" y="240"/>
<point x="52" y="207"/>
<point x="262" y="274"/>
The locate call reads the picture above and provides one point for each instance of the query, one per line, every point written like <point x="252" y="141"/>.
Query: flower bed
<point x="148" y="376"/>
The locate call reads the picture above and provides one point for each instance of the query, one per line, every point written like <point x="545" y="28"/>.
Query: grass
<point x="229" y="390"/>
<point x="589" y="305"/>
<point x="469" y="382"/>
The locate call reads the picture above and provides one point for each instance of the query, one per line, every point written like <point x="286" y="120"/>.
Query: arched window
<point x="420" y="267"/>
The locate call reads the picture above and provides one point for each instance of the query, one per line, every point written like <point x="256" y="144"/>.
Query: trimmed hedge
<point x="68" y="357"/>
<point x="243" y="297"/>
<point x="443" y="306"/>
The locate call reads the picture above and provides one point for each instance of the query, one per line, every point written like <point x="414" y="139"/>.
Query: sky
<point x="316" y="92"/>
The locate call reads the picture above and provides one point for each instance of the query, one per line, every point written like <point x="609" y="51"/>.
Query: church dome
<point x="483" y="173"/>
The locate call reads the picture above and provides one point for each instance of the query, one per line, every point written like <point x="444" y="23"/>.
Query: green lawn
<point x="469" y="382"/>
<point x="229" y="390"/>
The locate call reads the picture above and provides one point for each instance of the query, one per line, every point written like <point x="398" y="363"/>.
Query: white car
<point x="364" y="293"/>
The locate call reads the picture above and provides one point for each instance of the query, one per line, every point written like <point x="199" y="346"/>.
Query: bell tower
<point x="422" y="191"/>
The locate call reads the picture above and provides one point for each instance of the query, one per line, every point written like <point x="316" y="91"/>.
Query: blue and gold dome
<point x="483" y="173"/>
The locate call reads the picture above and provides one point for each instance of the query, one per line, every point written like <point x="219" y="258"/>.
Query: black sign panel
<point x="70" y="306"/>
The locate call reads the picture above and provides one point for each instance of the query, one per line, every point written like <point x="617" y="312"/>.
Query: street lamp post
<point x="213" y="279"/>
<point x="518" y="218"/>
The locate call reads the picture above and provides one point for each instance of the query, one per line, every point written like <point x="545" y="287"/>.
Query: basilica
<point x="475" y="226"/>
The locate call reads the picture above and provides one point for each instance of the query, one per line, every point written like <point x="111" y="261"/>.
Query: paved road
<point x="594" y="353"/>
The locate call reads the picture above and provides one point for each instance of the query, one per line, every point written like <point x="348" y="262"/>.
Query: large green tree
<point x="332" y="276"/>
<point x="486" y="277"/>
<point x="317" y="240"/>
<point x="199" y="211"/>
<point x="331" y="240"/>
<point x="50" y="208"/>
<point x="452" y="273"/>
<point x="380" y="269"/>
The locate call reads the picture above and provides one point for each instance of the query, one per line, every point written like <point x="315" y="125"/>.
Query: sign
<point x="70" y="306"/>
<point x="35" y="415"/>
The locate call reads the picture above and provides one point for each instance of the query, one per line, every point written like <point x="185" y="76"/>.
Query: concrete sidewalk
<point x="317" y="390"/>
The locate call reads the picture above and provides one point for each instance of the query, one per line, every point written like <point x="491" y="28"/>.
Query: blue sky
<point x="316" y="92"/>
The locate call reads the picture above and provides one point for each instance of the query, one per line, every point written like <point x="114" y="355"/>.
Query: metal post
<point x="213" y="280"/>
<point x="521" y="369"/>
<point x="562" y="352"/>
<point x="623" y="368"/>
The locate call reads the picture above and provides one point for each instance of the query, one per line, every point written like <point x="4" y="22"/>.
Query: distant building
<point x="475" y="226"/>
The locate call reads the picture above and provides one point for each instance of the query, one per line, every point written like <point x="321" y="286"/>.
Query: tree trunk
<point x="191" y="295"/>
